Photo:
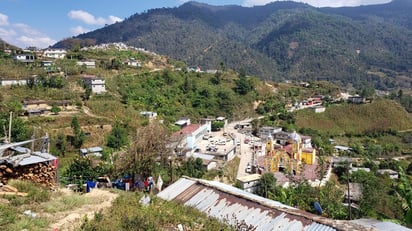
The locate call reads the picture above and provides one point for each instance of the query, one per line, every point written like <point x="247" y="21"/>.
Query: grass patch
<point x="36" y="193"/>
<point x="8" y="215"/>
<point x="64" y="203"/>
<point x="128" y="214"/>
<point x="28" y="223"/>
<point x="11" y="211"/>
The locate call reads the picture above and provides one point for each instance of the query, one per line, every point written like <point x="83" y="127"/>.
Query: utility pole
<point x="10" y="120"/>
<point x="347" y="183"/>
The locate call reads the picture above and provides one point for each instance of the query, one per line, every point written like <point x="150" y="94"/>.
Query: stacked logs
<point x="41" y="173"/>
<point x="10" y="190"/>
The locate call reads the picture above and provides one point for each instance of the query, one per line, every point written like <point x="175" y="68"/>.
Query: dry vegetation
<point x="378" y="116"/>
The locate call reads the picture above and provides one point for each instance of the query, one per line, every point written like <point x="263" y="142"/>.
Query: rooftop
<point x="231" y="205"/>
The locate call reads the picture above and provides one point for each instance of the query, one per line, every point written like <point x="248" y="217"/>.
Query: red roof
<point x="189" y="129"/>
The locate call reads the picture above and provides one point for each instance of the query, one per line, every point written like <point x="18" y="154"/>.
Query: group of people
<point x="148" y="184"/>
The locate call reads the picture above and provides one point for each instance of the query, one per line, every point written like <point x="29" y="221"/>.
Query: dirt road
<point x="72" y="219"/>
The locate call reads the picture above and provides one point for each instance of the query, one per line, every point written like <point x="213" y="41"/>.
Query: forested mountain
<point x="281" y="40"/>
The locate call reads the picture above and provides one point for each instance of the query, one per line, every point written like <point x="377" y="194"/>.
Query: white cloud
<point x="113" y="19"/>
<point x="321" y="3"/>
<point x="4" y="20"/>
<point x="37" y="41"/>
<point x="78" y="30"/>
<point x="90" y="19"/>
<point x="22" y="35"/>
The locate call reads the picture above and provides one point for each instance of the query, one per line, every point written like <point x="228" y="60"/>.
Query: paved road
<point x="245" y="153"/>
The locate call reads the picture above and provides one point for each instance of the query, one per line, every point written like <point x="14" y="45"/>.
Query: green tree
<point x="78" y="134"/>
<point x="367" y="91"/>
<point x="19" y="130"/>
<point x="217" y="125"/>
<point x="118" y="136"/>
<point x="243" y="85"/>
<point x="331" y="197"/>
<point x="14" y="106"/>
<point x="268" y="186"/>
<point x="55" y="109"/>
<point x="81" y="170"/>
<point x="61" y="144"/>
<point x="87" y="93"/>
<point x="193" y="168"/>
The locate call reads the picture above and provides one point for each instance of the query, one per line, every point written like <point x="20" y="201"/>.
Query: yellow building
<point x="289" y="157"/>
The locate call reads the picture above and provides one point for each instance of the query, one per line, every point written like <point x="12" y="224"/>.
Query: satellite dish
<point x="318" y="208"/>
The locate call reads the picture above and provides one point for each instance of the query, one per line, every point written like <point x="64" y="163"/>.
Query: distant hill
<point x="5" y="45"/>
<point x="357" y="119"/>
<point x="281" y="40"/>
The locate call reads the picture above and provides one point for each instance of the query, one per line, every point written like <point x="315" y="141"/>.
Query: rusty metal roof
<point x="232" y="205"/>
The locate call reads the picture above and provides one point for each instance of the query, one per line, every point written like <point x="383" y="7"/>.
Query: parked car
<point x="103" y="182"/>
<point x="248" y="168"/>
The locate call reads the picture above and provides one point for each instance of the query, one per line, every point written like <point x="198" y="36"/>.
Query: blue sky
<point x="42" y="23"/>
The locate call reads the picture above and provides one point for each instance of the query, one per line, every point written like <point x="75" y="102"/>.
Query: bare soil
<point x="72" y="219"/>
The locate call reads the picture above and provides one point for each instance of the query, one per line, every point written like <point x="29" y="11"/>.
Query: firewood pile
<point x="10" y="190"/>
<point x="40" y="173"/>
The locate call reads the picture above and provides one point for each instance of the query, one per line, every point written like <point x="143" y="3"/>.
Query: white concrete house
<point x="87" y="64"/>
<point x="98" y="85"/>
<point x="55" y="53"/>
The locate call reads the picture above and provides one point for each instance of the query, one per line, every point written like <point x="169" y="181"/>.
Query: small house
<point x="356" y="99"/>
<point x="264" y="132"/>
<point x="93" y="151"/>
<point x="55" y="53"/>
<point x="98" y="85"/>
<point x="133" y="63"/>
<point x="25" y="58"/>
<point x="88" y="64"/>
<point x="46" y="63"/>
<point x="207" y="160"/>
<point x="149" y="114"/>
<point x="13" y="82"/>
<point x="249" y="183"/>
<point x="392" y="173"/>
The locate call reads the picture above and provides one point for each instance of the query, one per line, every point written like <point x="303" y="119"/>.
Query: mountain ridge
<point x="281" y="40"/>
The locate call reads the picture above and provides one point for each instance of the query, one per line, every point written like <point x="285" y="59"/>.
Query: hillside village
<point x="257" y="158"/>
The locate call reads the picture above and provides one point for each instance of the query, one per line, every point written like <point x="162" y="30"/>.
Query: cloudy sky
<point x="42" y="23"/>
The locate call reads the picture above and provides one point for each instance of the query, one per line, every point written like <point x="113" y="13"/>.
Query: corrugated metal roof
<point x="95" y="149"/>
<point x="232" y="205"/>
<point x="380" y="225"/>
<point x="37" y="158"/>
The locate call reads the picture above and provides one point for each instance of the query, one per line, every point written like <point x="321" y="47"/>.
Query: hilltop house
<point x="98" y="85"/>
<point x="55" y="53"/>
<point x="133" y="63"/>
